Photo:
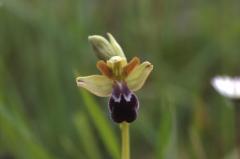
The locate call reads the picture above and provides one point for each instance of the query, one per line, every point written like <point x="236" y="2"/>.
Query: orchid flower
<point x="119" y="78"/>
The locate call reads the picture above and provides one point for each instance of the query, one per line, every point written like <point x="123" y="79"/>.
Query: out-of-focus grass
<point x="103" y="127"/>
<point x="42" y="42"/>
<point x="88" y="139"/>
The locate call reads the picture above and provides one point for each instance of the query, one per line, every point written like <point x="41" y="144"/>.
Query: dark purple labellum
<point x="123" y="104"/>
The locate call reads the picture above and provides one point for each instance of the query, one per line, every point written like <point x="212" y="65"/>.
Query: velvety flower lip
<point x="119" y="78"/>
<point x="123" y="104"/>
<point x="120" y="89"/>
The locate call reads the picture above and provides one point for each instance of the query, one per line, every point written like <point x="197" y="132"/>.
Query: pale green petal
<point x="97" y="84"/>
<point x="136" y="79"/>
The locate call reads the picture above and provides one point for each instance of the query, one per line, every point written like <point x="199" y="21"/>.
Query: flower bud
<point x="105" y="49"/>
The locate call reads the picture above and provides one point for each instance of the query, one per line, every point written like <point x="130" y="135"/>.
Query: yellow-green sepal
<point x="97" y="84"/>
<point x="101" y="47"/>
<point x="136" y="79"/>
<point x="116" y="47"/>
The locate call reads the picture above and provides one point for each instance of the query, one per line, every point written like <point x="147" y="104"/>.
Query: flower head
<point x="119" y="78"/>
<point x="227" y="86"/>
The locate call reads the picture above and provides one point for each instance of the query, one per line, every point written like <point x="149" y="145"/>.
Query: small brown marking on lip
<point x="149" y="66"/>
<point x="81" y="81"/>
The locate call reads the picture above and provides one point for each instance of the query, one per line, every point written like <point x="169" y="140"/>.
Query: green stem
<point x="237" y="124"/>
<point x="125" y="140"/>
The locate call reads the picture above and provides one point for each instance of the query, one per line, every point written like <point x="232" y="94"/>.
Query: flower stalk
<point x="229" y="87"/>
<point x="124" y="126"/>
<point x="237" y="124"/>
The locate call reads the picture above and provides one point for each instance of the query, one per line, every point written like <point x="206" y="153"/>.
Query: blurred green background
<point x="43" y="44"/>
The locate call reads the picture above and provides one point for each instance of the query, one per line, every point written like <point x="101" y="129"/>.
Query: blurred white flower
<point x="227" y="86"/>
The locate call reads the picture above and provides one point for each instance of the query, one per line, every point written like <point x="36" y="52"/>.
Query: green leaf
<point x="102" y="125"/>
<point x="19" y="138"/>
<point x="87" y="137"/>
